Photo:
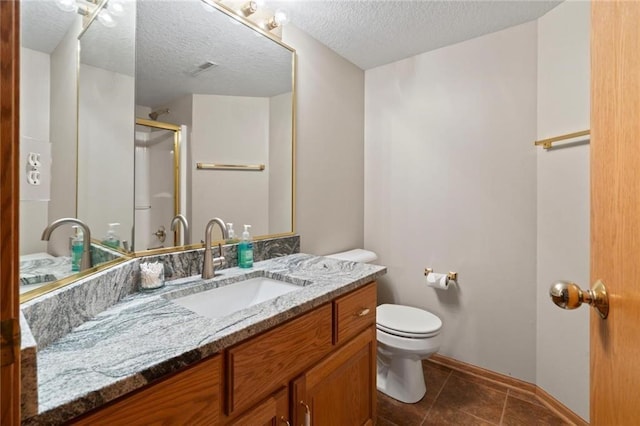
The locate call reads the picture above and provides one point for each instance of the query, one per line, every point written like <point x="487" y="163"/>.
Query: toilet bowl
<point x="405" y="335"/>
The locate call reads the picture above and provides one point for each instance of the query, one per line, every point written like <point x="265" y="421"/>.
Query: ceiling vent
<point x="206" y="66"/>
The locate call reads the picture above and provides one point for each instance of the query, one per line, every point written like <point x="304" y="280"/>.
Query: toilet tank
<point x="355" y="255"/>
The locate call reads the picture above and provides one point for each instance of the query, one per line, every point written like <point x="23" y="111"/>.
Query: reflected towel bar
<point x="247" y="167"/>
<point x="548" y="143"/>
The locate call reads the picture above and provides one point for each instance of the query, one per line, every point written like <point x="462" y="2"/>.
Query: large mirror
<point x="48" y="147"/>
<point x="230" y="89"/>
<point x="170" y="119"/>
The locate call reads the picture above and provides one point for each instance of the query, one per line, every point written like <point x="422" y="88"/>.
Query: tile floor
<point x="456" y="398"/>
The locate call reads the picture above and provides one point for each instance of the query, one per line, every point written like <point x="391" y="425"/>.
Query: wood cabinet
<point x="271" y="412"/>
<point x="323" y="361"/>
<point x="340" y="390"/>
<point x="190" y="397"/>
<point x="261" y="365"/>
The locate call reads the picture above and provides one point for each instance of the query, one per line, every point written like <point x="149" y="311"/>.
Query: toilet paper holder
<point x="453" y="276"/>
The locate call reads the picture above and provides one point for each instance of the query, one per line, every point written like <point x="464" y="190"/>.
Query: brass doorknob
<point x="569" y="295"/>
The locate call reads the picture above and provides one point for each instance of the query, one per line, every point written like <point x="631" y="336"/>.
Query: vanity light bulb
<point x="281" y="17"/>
<point x="115" y="7"/>
<point x="67" y="5"/>
<point x="106" y="19"/>
<point x="249" y="8"/>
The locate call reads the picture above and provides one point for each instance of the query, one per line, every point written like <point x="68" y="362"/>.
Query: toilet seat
<point x="407" y="321"/>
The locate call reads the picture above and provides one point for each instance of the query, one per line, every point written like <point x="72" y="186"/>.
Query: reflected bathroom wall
<point x="106" y="102"/>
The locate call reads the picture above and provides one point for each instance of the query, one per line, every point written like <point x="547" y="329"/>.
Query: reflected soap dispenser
<point x="111" y="239"/>
<point x="77" y="246"/>
<point x="231" y="239"/>
<point x="245" y="249"/>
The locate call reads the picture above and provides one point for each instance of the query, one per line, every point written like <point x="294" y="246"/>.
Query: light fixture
<point x="67" y="5"/>
<point x="115" y="7"/>
<point x="249" y="8"/>
<point x="280" y="17"/>
<point x="109" y="9"/>
<point x="106" y="19"/>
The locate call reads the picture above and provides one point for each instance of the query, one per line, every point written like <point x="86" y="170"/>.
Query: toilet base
<point x="401" y="378"/>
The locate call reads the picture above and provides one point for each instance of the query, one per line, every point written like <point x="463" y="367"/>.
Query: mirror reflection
<point x="48" y="108"/>
<point x="119" y="116"/>
<point x="231" y="90"/>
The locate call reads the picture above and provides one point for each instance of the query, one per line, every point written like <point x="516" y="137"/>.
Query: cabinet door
<point x="273" y="411"/>
<point x="341" y="389"/>
<point x="189" y="397"/>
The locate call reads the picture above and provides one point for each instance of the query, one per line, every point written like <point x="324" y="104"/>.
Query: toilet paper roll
<point x="439" y="281"/>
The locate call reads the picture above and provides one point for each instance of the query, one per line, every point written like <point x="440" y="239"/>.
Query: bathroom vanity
<point x="309" y="353"/>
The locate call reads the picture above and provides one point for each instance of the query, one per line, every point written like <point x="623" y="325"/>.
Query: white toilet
<point x="406" y="335"/>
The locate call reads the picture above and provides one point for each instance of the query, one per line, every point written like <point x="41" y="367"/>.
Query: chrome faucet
<point x="210" y="263"/>
<point x="185" y="226"/>
<point x="85" y="262"/>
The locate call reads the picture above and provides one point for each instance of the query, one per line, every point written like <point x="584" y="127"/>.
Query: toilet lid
<point x="407" y="321"/>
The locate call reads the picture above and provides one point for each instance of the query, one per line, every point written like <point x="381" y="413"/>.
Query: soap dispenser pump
<point x="111" y="239"/>
<point x="245" y="249"/>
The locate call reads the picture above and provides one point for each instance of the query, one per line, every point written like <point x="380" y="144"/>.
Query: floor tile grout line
<point x="436" y="397"/>
<point x="504" y="407"/>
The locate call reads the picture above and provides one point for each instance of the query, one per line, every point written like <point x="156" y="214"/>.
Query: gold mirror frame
<point x="46" y="288"/>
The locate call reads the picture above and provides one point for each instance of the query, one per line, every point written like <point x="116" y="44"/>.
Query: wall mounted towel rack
<point x="548" y="143"/>
<point x="243" y="167"/>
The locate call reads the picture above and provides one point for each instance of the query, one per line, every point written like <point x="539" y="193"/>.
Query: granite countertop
<point x="146" y="336"/>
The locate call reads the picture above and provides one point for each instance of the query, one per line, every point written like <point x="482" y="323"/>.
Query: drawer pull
<point x="307" y="414"/>
<point x="363" y="312"/>
<point x="285" y="421"/>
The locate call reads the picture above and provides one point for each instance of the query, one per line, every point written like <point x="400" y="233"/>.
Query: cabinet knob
<point x="285" y="421"/>
<point x="363" y="312"/>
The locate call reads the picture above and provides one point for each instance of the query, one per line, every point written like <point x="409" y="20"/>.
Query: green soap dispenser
<point x="77" y="246"/>
<point x="245" y="249"/>
<point x="111" y="239"/>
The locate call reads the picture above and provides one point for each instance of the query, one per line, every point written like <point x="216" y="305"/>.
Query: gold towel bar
<point x="548" y="143"/>
<point x="248" y="167"/>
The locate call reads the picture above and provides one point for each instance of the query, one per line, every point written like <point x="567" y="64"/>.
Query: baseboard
<point x="559" y="407"/>
<point x="549" y="401"/>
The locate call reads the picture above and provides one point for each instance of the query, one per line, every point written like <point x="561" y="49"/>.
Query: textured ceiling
<point x="43" y="25"/>
<point x="175" y="36"/>
<point x="370" y="33"/>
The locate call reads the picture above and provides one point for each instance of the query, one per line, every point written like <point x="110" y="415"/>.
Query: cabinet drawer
<point x="354" y="312"/>
<point x="261" y="365"/>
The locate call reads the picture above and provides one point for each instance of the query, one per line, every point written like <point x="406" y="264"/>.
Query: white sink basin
<point x="222" y="301"/>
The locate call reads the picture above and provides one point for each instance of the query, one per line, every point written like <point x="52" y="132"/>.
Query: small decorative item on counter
<point x="151" y="275"/>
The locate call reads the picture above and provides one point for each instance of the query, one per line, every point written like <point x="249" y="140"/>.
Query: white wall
<point x="106" y="151"/>
<point x="280" y="162"/>
<point x="221" y="135"/>
<point x="34" y="124"/>
<point x="330" y="150"/>
<point x="450" y="183"/>
<point x="64" y="119"/>
<point x="563" y="203"/>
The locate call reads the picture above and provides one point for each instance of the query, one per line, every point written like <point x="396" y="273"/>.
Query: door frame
<point x="9" y="215"/>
